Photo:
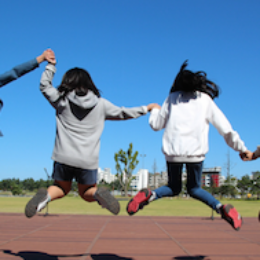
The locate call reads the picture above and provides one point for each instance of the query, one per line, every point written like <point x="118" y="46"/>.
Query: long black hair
<point x="79" y="80"/>
<point x="189" y="81"/>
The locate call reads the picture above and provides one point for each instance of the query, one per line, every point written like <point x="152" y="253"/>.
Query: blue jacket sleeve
<point x="18" y="71"/>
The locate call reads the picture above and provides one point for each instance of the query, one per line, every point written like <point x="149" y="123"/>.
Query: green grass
<point x="163" y="207"/>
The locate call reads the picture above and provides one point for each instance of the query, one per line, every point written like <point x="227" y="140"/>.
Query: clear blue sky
<point x="133" y="50"/>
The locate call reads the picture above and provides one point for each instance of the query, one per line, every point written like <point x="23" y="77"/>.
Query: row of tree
<point x="244" y="186"/>
<point x="126" y="162"/>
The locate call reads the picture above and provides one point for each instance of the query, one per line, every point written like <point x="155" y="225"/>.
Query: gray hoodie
<point x="80" y="122"/>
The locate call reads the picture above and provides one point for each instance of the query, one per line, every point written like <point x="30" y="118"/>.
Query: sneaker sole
<point x="128" y="211"/>
<point x="31" y="206"/>
<point x="230" y="220"/>
<point x="140" y="204"/>
<point x="103" y="194"/>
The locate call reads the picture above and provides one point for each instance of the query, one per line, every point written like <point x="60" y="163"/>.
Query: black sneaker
<point x="230" y="214"/>
<point x="37" y="203"/>
<point x="106" y="200"/>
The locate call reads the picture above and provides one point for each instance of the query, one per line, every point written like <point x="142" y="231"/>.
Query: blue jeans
<point x="174" y="187"/>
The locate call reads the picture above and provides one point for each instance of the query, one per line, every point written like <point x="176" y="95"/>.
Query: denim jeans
<point x="174" y="187"/>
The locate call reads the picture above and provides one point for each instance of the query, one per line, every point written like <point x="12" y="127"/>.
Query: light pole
<point x="1" y="105"/>
<point x="48" y="178"/>
<point x="143" y="156"/>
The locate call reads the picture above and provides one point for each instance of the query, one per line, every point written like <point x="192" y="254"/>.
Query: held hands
<point x="151" y="106"/>
<point x="247" y="156"/>
<point x="50" y="56"/>
<point x="47" y="55"/>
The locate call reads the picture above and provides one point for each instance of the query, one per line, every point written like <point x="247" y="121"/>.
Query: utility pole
<point x="228" y="167"/>
<point x="143" y="156"/>
<point x="48" y="178"/>
<point x="154" y="172"/>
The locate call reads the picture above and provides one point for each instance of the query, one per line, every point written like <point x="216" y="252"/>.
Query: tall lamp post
<point x="1" y="105"/>
<point x="143" y="156"/>
<point x="48" y="178"/>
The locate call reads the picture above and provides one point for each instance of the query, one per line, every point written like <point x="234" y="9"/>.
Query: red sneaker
<point x="138" y="201"/>
<point x="230" y="214"/>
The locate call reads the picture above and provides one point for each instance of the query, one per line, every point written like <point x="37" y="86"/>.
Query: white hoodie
<point x="186" y="117"/>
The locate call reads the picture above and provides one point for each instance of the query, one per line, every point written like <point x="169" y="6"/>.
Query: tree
<point x="126" y="162"/>
<point x="6" y="184"/>
<point x="16" y="189"/>
<point x="115" y="185"/>
<point x="28" y="184"/>
<point x="256" y="184"/>
<point x="244" y="185"/>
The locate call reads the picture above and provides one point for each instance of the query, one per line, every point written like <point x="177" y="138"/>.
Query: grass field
<point x="163" y="207"/>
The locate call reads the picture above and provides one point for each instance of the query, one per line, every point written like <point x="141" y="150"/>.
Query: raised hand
<point x="47" y="55"/>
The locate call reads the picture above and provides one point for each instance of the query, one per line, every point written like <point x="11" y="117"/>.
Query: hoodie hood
<point x="86" y="102"/>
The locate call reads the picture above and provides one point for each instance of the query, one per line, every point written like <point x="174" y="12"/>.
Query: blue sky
<point x="133" y="50"/>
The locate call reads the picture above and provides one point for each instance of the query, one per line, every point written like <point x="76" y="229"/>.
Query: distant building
<point x="222" y="180"/>
<point x="157" y="179"/>
<point x="141" y="180"/>
<point x="144" y="179"/>
<point x="105" y="175"/>
<point x="211" y="176"/>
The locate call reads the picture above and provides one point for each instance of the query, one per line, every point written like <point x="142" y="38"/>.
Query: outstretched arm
<point x="26" y="67"/>
<point x="51" y="93"/>
<point x="113" y="112"/>
<point x="221" y="123"/>
<point x="159" y="116"/>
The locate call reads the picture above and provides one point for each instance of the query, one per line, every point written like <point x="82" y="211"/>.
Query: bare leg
<point x="59" y="189"/>
<point x="87" y="192"/>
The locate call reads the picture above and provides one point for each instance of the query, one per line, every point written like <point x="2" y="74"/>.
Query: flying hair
<point x="189" y="81"/>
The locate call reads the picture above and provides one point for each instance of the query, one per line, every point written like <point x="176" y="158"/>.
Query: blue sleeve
<point x="18" y="71"/>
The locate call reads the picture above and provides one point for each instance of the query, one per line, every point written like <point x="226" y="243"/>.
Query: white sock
<point x="153" y="196"/>
<point x="44" y="203"/>
<point x="218" y="208"/>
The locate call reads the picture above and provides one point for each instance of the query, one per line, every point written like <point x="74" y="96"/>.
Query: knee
<point x="88" y="198"/>
<point x="85" y="195"/>
<point x="65" y="190"/>
<point x="193" y="192"/>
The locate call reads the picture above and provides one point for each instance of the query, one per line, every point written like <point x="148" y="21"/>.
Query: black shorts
<point x="63" y="172"/>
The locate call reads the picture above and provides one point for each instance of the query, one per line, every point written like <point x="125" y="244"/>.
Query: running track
<point x="85" y="237"/>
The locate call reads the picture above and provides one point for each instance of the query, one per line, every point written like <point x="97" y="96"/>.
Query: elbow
<point x="155" y="128"/>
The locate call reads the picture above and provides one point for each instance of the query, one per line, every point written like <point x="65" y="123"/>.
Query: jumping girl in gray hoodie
<point x="80" y="117"/>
